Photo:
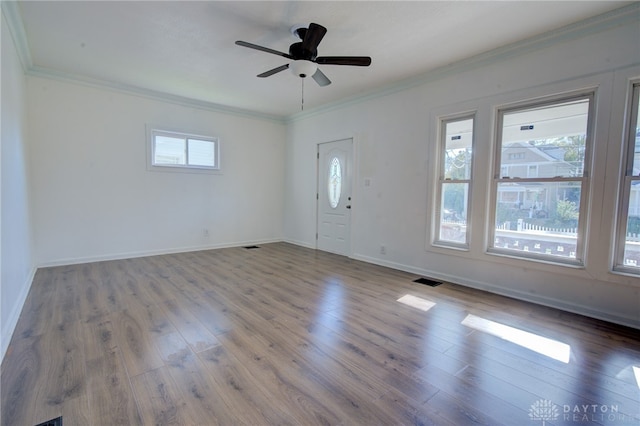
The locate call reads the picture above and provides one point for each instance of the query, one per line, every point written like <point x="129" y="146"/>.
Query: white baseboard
<point x="9" y="327"/>
<point x="300" y="243"/>
<point x="145" y="253"/>
<point x="492" y="288"/>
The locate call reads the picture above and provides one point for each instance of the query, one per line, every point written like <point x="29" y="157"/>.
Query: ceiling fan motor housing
<point x="299" y="52"/>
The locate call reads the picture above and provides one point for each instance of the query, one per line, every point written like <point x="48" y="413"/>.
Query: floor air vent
<point x="52" y="422"/>
<point x="427" y="281"/>
<point x="251" y="247"/>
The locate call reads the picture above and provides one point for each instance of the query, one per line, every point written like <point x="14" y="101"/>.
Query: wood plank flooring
<point x="287" y="335"/>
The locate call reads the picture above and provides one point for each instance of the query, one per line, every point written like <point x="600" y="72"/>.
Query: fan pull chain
<point x="302" y="101"/>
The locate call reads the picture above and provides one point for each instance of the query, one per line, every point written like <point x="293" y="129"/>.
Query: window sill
<point x="184" y="169"/>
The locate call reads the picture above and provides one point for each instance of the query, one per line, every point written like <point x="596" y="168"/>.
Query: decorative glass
<point x="335" y="182"/>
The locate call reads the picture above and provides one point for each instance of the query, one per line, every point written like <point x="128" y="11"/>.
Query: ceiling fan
<point x="304" y="55"/>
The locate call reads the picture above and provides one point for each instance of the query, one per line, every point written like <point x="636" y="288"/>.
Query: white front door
<point x="334" y="196"/>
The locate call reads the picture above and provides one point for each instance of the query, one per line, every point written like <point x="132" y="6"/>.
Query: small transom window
<point x="180" y="150"/>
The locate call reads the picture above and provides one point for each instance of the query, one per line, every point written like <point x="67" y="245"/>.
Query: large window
<point x="179" y="150"/>
<point x="456" y="149"/>
<point x="541" y="183"/>
<point x="628" y="250"/>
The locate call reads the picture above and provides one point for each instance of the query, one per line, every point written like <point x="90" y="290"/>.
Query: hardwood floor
<point x="288" y="335"/>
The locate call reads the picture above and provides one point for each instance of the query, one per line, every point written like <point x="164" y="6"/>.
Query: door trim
<point x="353" y="181"/>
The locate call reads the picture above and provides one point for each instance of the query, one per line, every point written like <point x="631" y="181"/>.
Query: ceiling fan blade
<point x="274" y="71"/>
<point x="313" y="37"/>
<point x="264" y="49"/>
<point x="320" y="78"/>
<point x="358" y="61"/>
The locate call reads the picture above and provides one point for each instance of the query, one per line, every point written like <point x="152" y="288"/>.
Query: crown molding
<point x="11" y="13"/>
<point x="128" y="89"/>
<point x="593" y="25"/>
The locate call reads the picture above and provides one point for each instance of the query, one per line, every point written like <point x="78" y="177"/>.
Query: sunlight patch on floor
<point x="416" y="302"/>
<point x="543" y="345"/>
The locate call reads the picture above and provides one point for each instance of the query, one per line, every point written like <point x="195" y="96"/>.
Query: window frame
<point x="153" y="132"/>
<point x="626" y="180"/>
<point x="441" y="180"/>
<point x="585" y="179"/>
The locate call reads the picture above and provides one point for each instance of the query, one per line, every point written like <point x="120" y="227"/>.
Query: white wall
<point x="93" y="197"/>
<point x="395" y="133"/>
<point x="16" y="261"/>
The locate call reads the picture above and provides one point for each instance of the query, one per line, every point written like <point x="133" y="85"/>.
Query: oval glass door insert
<point x="335" y="182"/>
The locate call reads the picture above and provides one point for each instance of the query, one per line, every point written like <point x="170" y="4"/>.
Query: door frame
<point x="353" y="184"/>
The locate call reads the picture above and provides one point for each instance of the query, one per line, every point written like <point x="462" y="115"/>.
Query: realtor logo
<point x="544" y="410"/>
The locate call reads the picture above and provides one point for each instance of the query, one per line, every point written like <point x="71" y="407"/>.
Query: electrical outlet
<point x="205" y="233"/>
<point x="383" y="250"/>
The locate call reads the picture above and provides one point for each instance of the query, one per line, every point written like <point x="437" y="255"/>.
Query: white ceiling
<point x="186" y="48"/>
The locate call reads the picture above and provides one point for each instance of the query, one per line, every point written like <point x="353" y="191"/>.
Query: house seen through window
<point x="539" y="204"/>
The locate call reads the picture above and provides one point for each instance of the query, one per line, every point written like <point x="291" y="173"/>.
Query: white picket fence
<point x="633" y="237"/>
<point x="566" y="231"/>
<point x="523" y="226"/>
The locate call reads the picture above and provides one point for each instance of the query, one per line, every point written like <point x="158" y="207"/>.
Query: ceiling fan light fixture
<point x="302" y="68"/>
